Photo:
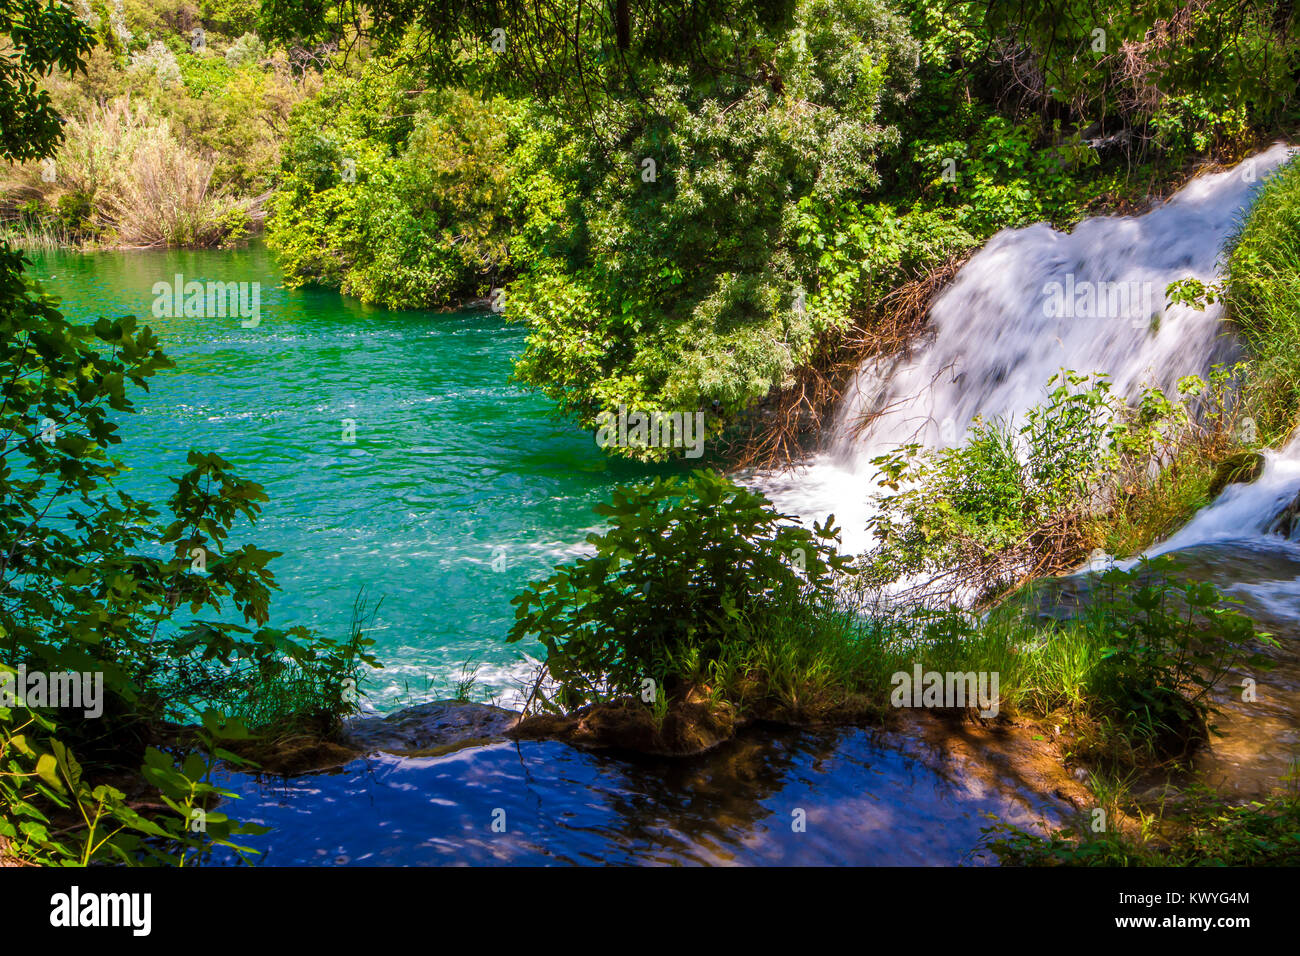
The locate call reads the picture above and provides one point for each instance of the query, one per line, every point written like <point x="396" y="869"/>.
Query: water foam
<point x="998" y="334"/>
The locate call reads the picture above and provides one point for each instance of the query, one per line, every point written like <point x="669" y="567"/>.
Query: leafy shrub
<point x="227" y="115"/>
<point x="1167" y="76"/>
<point x="1167" y="646"/>
<point x="94" y="580"/>
<point x="678" y="576"/>
<point x="1011" y="503"/>
<point x="692" y="269"/>
<point x="411" y="213"/>
<point x="54" y="815"/>
<point x="247" y="50"/>
<point x="158" y="62"/>
<point x="123" y="175"/>
<point x="1007" y="503"/>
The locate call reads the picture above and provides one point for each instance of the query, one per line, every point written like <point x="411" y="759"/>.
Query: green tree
<point x="42" y="36"/>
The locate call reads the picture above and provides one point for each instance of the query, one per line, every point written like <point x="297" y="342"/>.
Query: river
<point x="452" y="467"/>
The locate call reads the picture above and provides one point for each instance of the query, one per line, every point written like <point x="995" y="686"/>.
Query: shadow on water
<point x="864" y="802"/>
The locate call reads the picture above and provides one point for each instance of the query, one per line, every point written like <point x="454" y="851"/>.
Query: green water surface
<point x="452" y="465"/>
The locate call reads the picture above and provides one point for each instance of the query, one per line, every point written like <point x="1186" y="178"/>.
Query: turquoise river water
<point x="459" y="488"/>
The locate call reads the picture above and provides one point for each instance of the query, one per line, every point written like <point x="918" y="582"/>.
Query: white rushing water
<point x="1243" y="511"/>
<point x="1034" y="301"/>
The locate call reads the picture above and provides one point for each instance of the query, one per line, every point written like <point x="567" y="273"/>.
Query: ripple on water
<point x="865" y="803"/>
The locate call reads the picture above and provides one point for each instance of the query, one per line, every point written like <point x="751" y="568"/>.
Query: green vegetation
<point x="686" y="207"/>
<point x="1203" y="830"/>
<point x="701" y="588"/>
<point x="138" y="604"/>
<point x="1084" y="470"/>
<point x="408" y="211"/>
<point x="172" y="129"/>
<point x="686" y="572"/>
<point x="1263" y="301"/>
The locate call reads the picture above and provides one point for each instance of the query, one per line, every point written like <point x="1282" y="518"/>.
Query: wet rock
<point x="1160" y="795"/>
<point x="688" y="727"/>
<point x="294" y="755"/>
<point x="1287" y="521"/>
<point x="438" y="727"/>
<point x="1241" y="468"/>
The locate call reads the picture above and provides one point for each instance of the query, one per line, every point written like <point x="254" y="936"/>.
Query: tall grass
<point x="1130" y="672"/>
<point x="1149" y="510"/>
<point x="35" y="236"/>
<point x="143" y="186"/>
<point x="1263" y="300"/>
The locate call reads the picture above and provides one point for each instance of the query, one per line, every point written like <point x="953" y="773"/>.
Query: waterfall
<point x="1032" y="302"/>
<point x="1244" y="511"/>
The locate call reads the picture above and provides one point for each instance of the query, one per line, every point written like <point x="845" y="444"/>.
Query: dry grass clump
<point x="138" y="184"/>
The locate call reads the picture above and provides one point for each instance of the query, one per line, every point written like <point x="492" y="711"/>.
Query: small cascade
<point x="1034" y="301"/>
<point x="1263" y="509"/>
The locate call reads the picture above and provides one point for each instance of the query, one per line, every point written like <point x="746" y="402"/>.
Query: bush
<point x="679" y="577"/>
<point x="159" y="62"/>
<point x="420" y="216"/>
<point x="227" y="112"/>
<point x="977" y="519"/>
<point x="163" y="196"/>
<point x="697" y="588"/>
<point x="971" y="522"/>
<point x="247" y="50"/>
<point x="1166" y="646"/>
<point x="1168" y="77"/>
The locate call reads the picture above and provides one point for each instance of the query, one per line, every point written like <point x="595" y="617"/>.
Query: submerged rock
<point x="688" y="727"/>
<point x="437" y="727"/>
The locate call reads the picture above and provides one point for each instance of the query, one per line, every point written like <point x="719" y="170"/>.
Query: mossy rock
<point x="1241" y="468"/>
<point x="430" y="729"/>
<point x="689" y="727"/>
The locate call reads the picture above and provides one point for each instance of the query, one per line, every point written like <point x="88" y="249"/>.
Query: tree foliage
<point x="42" y="36"/>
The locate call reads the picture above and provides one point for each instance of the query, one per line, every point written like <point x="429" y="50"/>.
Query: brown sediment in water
<point x="1009" y="750"/>
<point x="298" y="754"/>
